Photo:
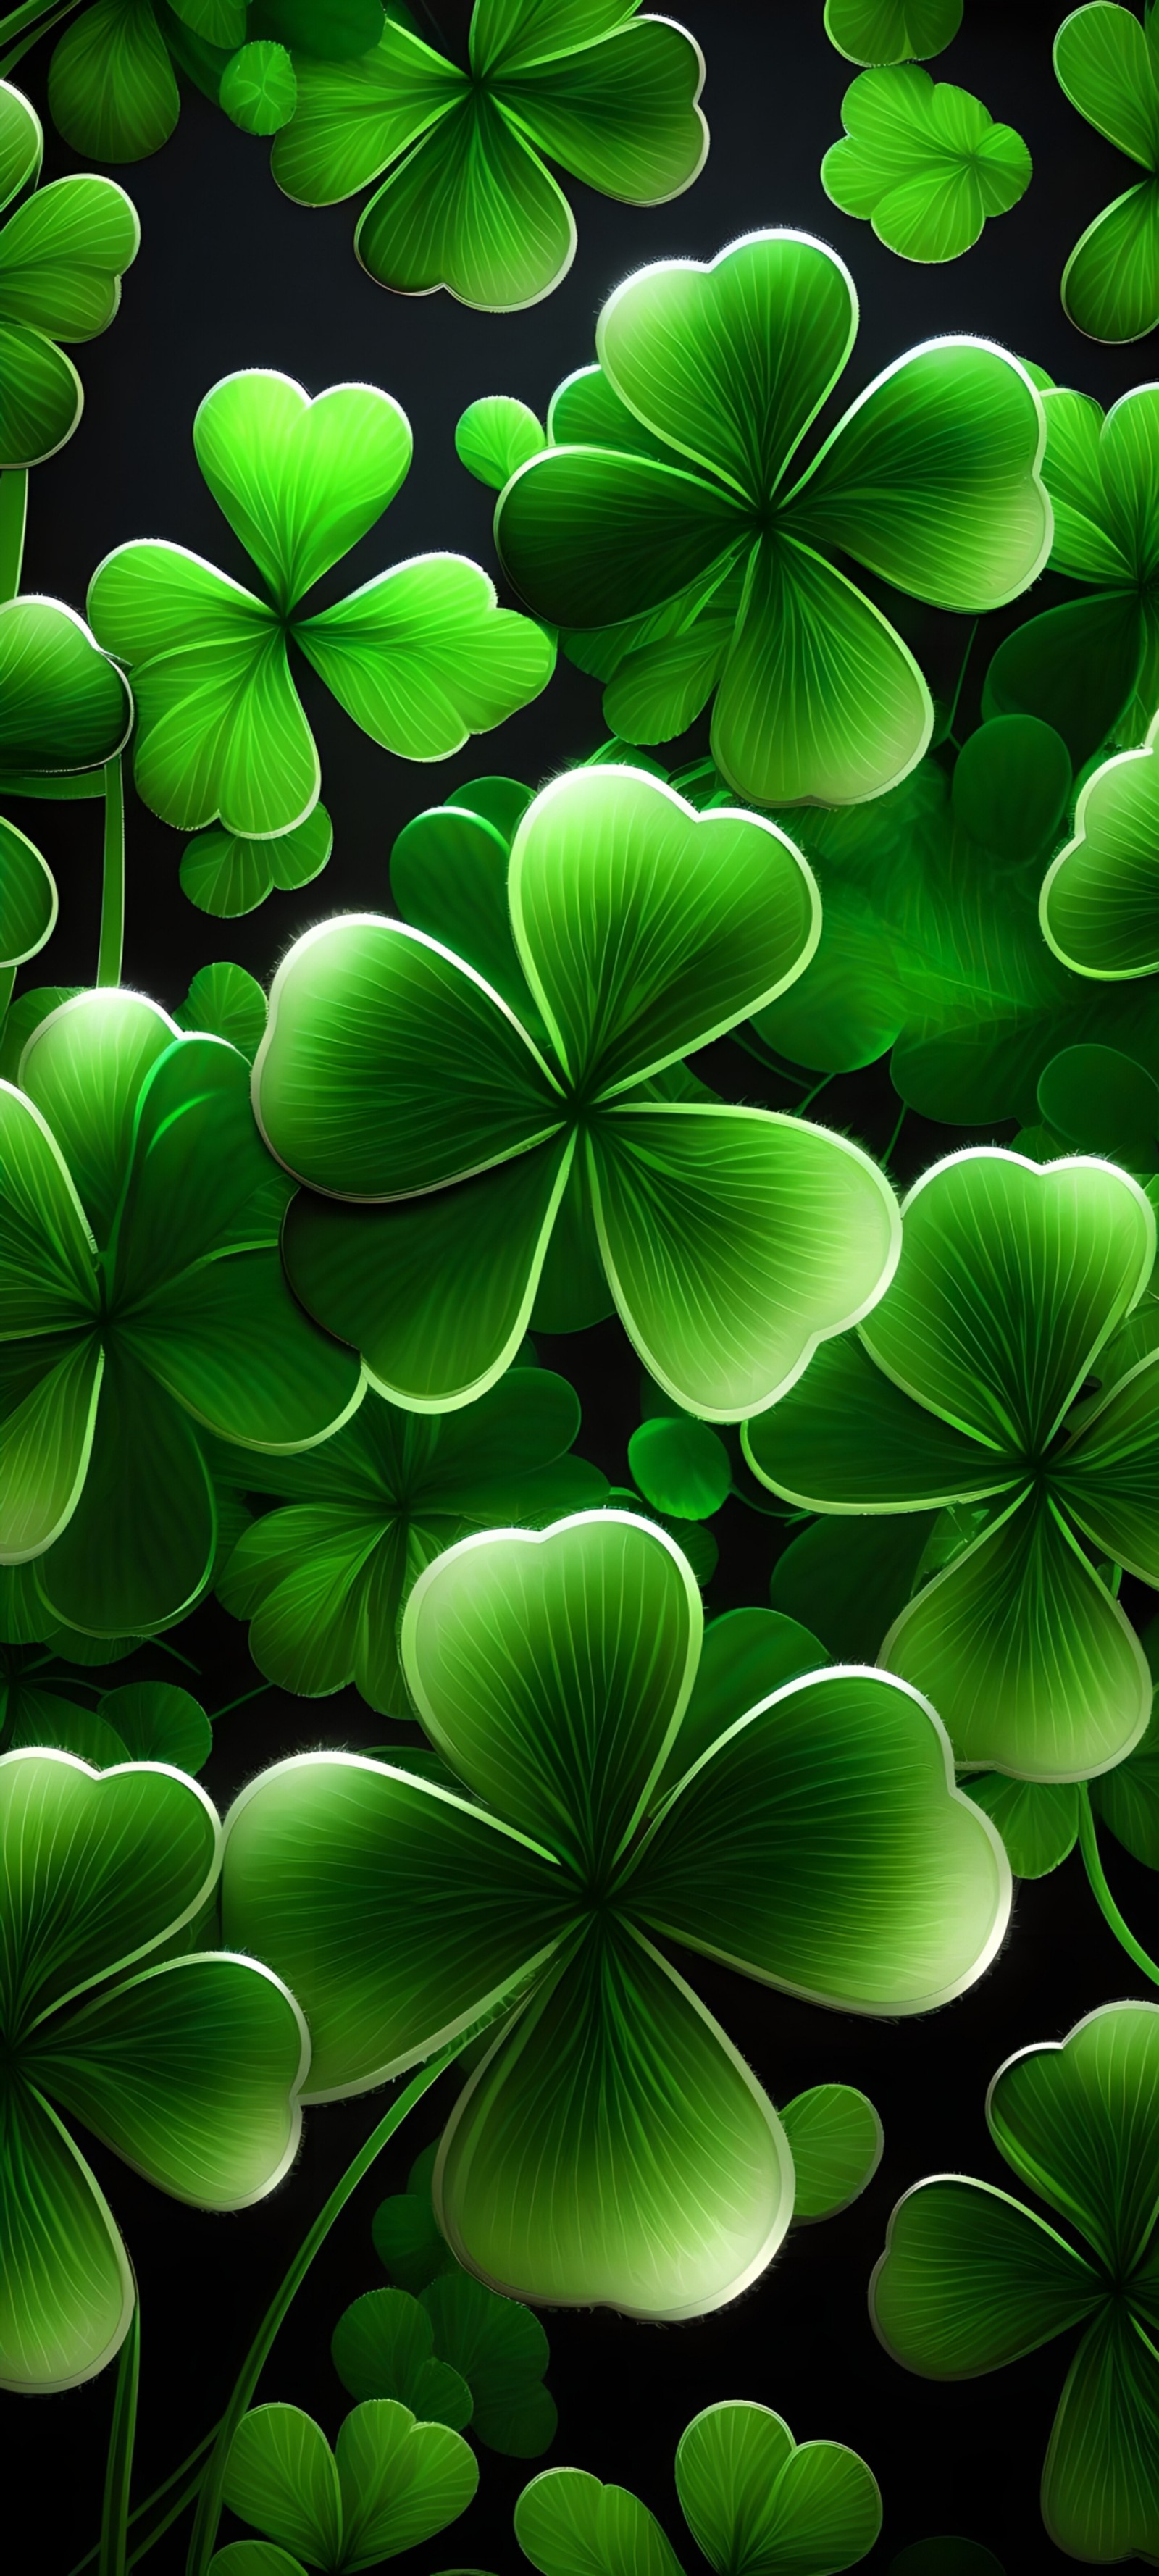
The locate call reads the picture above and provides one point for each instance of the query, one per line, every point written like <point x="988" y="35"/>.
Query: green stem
<point x="187" y="2477"/>
<point x="811" y="1096"/>
<point x="112" y="940"/>
<point x="164" y="1648"/>
<point x="952" y="717"/>
<point x="888" y="1155"/>
<point x="204" y="2534"/>
<point x="243" y="1702"/>
<point x="122" y="2434"/>
<point x="13" y="519"/>
<point x="1089" y="1845"/>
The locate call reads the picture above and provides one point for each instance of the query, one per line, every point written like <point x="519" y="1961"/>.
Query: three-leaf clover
<point x="112" y="81"/>
<point x="756" y="2503"/>
<point x="958" y="1396"/>
<point x="458" y="2354"/>
<point x="1100" y="898"/>
<point x="62" y="253"/>
<point x="611" y="2147"/>
<point x="468" y="202"/>
<point x="1107" y="63"/>
<point x="421" y="657"/>
<point x="971" y="2278"/>
<point x="502" y="1102"/>
<point x="63" y="708"/>
<point x="891" y="31"/>
<point x="664" y="527"/>
<point x="323" y="1581"/>
<point x="142" y="1303"/>
<point x="189" y="2070"/>
<point x="388" y="2484"/>
<point x="923" y="161"/>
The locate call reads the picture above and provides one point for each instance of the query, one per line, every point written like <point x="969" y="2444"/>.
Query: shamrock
<point x="61" y="257"/>
<point x="1100" y="899"/>
<point x="324" y="1580"/>
<point x="756" y="2503"/>
<point x="189" y="2069"/>
<point x="226" y="875"/>
<point x="658" y="524"/>
<point x="924" y="162"/>
<point x="957" y="1396"/>
<point x="63" y="709"/>
<point x="468" y="202"/>
<point x="491" y="2357"/>
<point x="611" y="2147"/>
<point x="421" y="657"/>
<point x="1093" y="663"/>
<point x="891" y="31"/>
<point x="112" y="81"/>
<point x="141" y="1304"/>
<point x="388" y="2484"/>
<point x="135" y="1722"/>
<point x="732" y="1240"/>
<point x="971" y="2278"/>
<point x="1108" y="66"/>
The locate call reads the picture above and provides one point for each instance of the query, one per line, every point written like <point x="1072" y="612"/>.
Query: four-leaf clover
<point x="611" y="2147"/>
<point x="1109" y="67"/>
<point x="541" y="1096"/>
<point x="421" y="657"/>
<point x="189" y="2070"/>
<point x="971" y="2279"/>
<point x="959" y="1395"/>
<point x="468" y="202"/>
<point x="666" y="526"/>
<point x="924" y="162"/>
<point x="62" y="253"/>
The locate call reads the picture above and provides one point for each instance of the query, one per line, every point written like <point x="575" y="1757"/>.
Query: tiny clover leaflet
<point x="663" y="528"/>
<point x="756" y="2503"/>
<point x="63" y="708"/>
<point x="1107" y="63"/>
<point x="458" y="2354"/>
<point x="971" y="2278"/>
<point x="142" y="1305"/>
<point x="468" y="202"/>
<point x="957" y="1397"/>
<point x="388" y="2484"/>
<point x="62" y="254"/>
<point x="1091" y="665"/>
<point x="891" y="31"/>
<point x="225" y="875"/>
<point x="420" y="657"/>
<point x="323" y="1580"/>
<point x="924" y="162"/>
<point x="1099" y="904"/>
<point x="189" y="2069"/>
<point x="611" y="2147"/>
<point x="497" y="1110"/>
<point x="112" y="80"/>
<point x="147" y="1721"/>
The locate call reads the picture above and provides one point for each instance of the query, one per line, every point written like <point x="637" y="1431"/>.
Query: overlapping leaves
<point x="923" y="162"/>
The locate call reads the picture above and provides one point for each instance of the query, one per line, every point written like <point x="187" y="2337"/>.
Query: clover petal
<point x="1031" y="1661"/>
<point x="472" y="208"/>
<point x="743" y="1863"/>
<point x="139" y="1546"/>
<point x="1098" y="2493"/>
<point x="1111" y="280"/>
<point x="846" y="1438"/>
<point x="760" y="2504"/>
<point x="566" y="2520"/>
<point x="389" y="1067"/>
<point x="555" y="1713"/>
<point x="1104" y="66"/>
<point x="746" y="1655"/>
<point x="61" y="257"/>
<point x="83" y="1069"/>
<point x="735" y="1240"/>
<point x="589" y="536"/>
<point x="21" y="142"/>
<point x="1110" y="285"/>
<point x="299" y="481"/>
<point x="47" y="1279"/>
<point x="1108" y="1482"/>
<point x="433" y="1913"/>
<point x="112" y="89"/>
<point x="66" y="2287"/>
<point x="621" y="114"/>
<point x="819" y="699"/>
<point x="1099" y="904"/>
<point x="970" y="2280"/>
<point x="1076" y="2120"/>
<point x="282" y="2476"/>
<point x="924" y="161"/>
<point x="613" y="2148"/>
<point x="401" y="2481"/>
<point x="48" y="1399"/>
<point x="890" y="31"/>
<point x="645" y="929"/>
<point x="354" y="117"/>
<point x="63" y="704"/>
<point x="423" y="656"/>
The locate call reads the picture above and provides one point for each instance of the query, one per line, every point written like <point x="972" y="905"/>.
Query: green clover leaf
<point x="226" y="875"/>
<point x="665" y="530"/>
<point x="923" y="162"/>
<point x="323" y="1582"/>
<point x="756" y="2502"/>
<point x="458" y="2354"/>
<point x="891" y="31"/>
<point x="135" y="1722"/>
<point x="1106" y="63"/>
<point x="956" y="1397"/>
<point x="971" y="2278"/>
<point x="611" y="2147"/>
<point x="421" y="657"/>
<point x="1100" y="898"/>
<point x="630" y="931"/>
<point x="468" y="202"/>
<point x="112" y="81"/>
<point x="190" y="2069"/>
<point x="62" y="253"/>
<point x="388" y="2484"/>
<point x="142" y="1304"/>
<point x="259" y="88"/>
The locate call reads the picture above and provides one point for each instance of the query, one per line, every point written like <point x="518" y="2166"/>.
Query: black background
<point x="231" y="275"/>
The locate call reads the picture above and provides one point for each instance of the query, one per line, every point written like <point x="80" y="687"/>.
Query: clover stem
<point x="887" y="1157"/>
<point x="811" y="1096"/>
<point x="186" y="2478"/>
<point x="112" y="938"/>
<point x="1089" y="1846"/>
<point x="36" y="15"/>
<point x="204" y="2533"/>
<point x="13" y="519"/>
<point x="122" y="2434"/>
<point x="241" y="1702"/>
<point x="951" y="718"/>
